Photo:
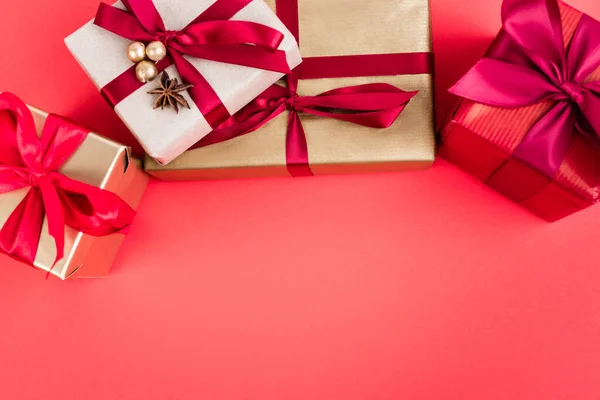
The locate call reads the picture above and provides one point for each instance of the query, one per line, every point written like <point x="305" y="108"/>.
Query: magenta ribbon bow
<point x="29" y="161"/>
<point x="530" y="64"/>
<point x="375" y="105"/>
<point x="211" y="36"/>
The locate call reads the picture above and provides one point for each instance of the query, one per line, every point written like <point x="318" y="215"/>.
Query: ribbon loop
<point x="232" y="32"/>
<point x="372" y="105"/>
<point x="124" y="24"/>
<point x="31" y="162"/>
<point x="146" y="13"/>
<point x="504" y="80"/>
<point x="536" y="27"/>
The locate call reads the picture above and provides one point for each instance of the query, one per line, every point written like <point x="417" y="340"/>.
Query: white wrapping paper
<point x="163" y="133"/>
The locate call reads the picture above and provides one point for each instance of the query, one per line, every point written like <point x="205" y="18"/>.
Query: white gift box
<point x="163" y="133"/>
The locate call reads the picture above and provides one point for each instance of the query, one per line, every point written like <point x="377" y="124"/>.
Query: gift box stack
<point x="216" y="89"/>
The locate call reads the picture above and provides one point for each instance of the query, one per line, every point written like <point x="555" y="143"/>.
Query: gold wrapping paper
<point x="333" y="28"/>
<point x="99" y="162"/>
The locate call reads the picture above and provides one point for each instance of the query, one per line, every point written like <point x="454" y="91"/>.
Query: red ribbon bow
<point x="29" y="161"/>
<point x="374" y="105"/>
<point x="528" y="65"/>
<point x="211" y="36"/>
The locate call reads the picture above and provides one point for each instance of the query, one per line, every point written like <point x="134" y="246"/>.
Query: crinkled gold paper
<point x="332" y="28"/>
<point x="99" y="162"/>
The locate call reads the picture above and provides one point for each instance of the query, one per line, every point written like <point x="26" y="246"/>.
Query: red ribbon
<point x="528" y="65"/>
<point x="211" y="36"/>
<point x="374" y="105"/>
<point x="29" y="161"/>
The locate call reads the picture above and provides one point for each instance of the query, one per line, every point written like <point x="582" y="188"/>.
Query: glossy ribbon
<point x="373" y="105"/>
<point x="211" y="36"/>
<point x="531" y="64"/>
<point x="29" y="161"/>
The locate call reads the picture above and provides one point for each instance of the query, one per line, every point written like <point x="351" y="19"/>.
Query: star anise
<point x="169" y="93"/>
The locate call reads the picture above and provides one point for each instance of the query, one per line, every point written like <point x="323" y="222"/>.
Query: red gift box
<point x="482" y="139"/>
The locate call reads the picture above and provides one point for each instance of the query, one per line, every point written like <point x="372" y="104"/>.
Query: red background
<point x="416" y="286"/>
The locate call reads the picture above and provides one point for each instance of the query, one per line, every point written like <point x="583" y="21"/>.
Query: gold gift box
<point x="99" y="162"/>
<point x="335" y="28"/>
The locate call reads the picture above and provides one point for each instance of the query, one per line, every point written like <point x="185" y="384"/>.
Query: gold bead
<point x="146" y="71"/>
<point x="136" y="52"/>
<point x="156" y="51"/>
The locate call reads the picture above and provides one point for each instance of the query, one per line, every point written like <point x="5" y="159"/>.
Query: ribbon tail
<point x="546" y="144"/>
<point x="297" y="147"/>
<point x="202" y="94"/>
<point x="500" y="84"/>
<point x="121" y="23"/>
<point x="20" y="235"/>
<point x="222" y="10"/>
<point x="584" y="50"/>
<point x="123" y="85"/>
<point x="92" y="210"/>
<point x="55" y="216"/>
<point x="10" y="180"/>
<point x="372" y="105"/>
<point x="233" y="128"/>
<point x="255" y="115"/>
<point x="379" y="119"/>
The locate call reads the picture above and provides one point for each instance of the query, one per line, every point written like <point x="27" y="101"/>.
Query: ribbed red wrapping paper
<point x="480" y="139"/>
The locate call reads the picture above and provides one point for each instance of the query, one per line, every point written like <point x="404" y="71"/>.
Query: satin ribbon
<point x="373" y="105"/>
<point x="531" y="64"/>
<point x="27" y="161"/>
<point x="211" y="36"/>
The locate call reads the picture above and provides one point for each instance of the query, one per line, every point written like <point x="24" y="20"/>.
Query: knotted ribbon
<point x="372" y="105"/>
<point x="211" y="36"/>
<point x="29" y="161"/>
<point x="375" y="105"/>
<point x="532" y="64"/>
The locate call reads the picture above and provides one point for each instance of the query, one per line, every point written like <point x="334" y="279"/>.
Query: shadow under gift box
<point x="99" y="162"/>
<point x="335" y="28"/>
<point x="480" y="139"/>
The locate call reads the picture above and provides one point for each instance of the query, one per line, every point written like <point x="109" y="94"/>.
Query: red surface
<point x="408" y="286"/>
